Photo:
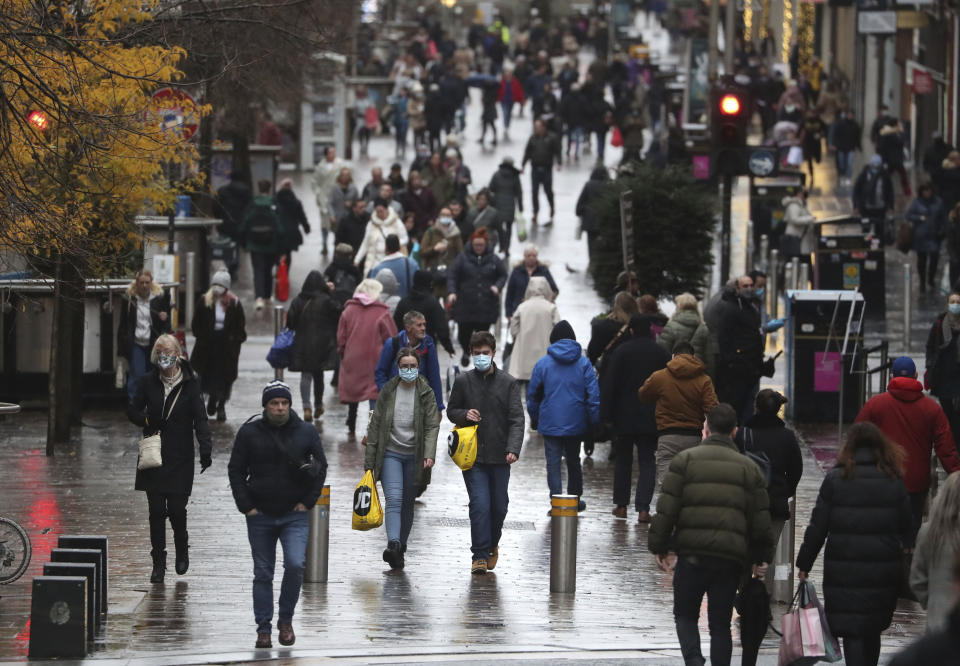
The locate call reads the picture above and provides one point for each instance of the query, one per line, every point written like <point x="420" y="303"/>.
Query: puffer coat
<point x="314" y="316"/>
<point x="470" y="278"/>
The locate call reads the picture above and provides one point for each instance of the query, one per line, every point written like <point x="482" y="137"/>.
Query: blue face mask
<point x="759" y="292"/>
<point x="409" y="375"/>
<point x="954" y="308"/>
<point x="481" y="362"/>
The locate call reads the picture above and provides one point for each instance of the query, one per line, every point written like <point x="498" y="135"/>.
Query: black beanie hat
<point x="422" y="280"/>
<point x="562" y="331"/>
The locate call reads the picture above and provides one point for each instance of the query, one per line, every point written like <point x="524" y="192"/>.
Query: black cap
<point x="562" y="330"/>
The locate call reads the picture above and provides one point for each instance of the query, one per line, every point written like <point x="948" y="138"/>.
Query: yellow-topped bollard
<point x="318" y="541"/>
<point x="563" y="543"/>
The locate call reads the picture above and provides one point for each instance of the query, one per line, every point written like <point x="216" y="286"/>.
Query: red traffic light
<point x="39" y="120"/>
<point x="730" y="105"/>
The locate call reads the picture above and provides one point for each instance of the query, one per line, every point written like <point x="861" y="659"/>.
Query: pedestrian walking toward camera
<point x="489" y="398"/>
<point x="402" y="446"/>
<point x="863" y="515"/>
<point x="144" y="316"/>
<point x="542" y="151"/>
<point x="413" y="336"/>
<point x="168" y="401"/>
<point x="474" y="283"/>
<point x="711" y="485"/>
<point x="563" y="401"/>
<point x="929" y="220"/>
<point x="530" y="328"/>
<point x="942" y="375"/>
<point x="219" y="327"/>
<point x="521" y="275"/>
<point x="277" y="469"/>
<point x="313" y="316"/>
<point x="633" y="423"/>
<point x="324" y="179"/>
<point x="938" y="545"/>
<point x="917" y="423"/>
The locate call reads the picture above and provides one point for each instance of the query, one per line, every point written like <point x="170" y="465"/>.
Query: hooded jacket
<point x="366" y="324"/>
<point x="918" y="425"/>
<point x="627" y="368"/>
<point x="683" y="393"/>
<point x="517" y="285"/>
<point x="686" y="326"/>
<point x="422" y="300"/>
<point x="429" y="363"/>
<point x="470" y="278"/>
<point x="314" y="315"/>
<point x="738" y="336"/>
<point x="391" y="289"/>
<point x="765" y="433"/>
<point x="563" y="398"/>
<point x="374" y="245"/>
<point x="530" y="328"/>
<point x="506" y="191"/>
<point x="799" y="222"/>
<point x="589" y="198"/>
<point x="864" y="189"/>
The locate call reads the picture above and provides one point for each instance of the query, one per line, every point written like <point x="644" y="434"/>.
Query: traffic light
<point x="729" y="119"/>
<point x="38" y="120"/>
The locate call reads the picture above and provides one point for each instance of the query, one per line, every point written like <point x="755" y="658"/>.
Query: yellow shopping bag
<point x="462" y="446"/>
<point x="367" y="512"/>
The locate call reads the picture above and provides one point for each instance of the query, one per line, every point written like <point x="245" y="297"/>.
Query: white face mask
<point x="446" y="221"/>
<point x="218" y="291"/>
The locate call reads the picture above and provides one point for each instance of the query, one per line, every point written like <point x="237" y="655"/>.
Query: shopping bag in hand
<point x="805" y="631"/>
<point x="281" y="351"/>
<point x="283" y="281"/>
<point x="520" y="222"/>
<point x="462" y="446"/>
<point x="831" y="645"/>
<point x="367" y="512"/>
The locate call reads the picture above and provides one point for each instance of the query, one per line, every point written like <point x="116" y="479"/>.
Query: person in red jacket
<point x="509" y="93"/>
<point x="918" y="425"/>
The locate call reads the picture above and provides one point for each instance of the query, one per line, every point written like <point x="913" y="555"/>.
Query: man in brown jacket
<point x="684" y="394"/>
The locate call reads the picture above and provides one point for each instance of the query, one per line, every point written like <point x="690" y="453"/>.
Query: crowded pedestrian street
<point x="384" y="308"/>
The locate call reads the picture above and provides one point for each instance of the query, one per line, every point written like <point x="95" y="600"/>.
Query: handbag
<point x="520" y="222"/>
<point x="281" y="351"/>
<point x="806" y="636"/>
<point x="367" y="512"/>
<point x="462" y="446"/>
<point x="150" y="457"/>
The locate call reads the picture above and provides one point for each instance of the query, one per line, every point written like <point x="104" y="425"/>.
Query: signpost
<point x="626" y="228"/>
<point x="175" y="111"/>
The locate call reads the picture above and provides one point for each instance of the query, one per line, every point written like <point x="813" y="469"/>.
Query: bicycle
<point x="15" y="550"/>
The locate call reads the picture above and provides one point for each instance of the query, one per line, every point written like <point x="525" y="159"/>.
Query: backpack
<point x="344" y="284"/>
<point x="759" y="458"/>
<point x="263" y="224"/>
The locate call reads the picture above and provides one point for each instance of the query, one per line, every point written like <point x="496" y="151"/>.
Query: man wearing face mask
<point x="489" y="398"/>
<point x="740" y="340"/>
<point x="277" y="469"/>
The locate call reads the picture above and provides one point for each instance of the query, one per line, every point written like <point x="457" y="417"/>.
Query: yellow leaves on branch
<point x="104" y="153"/>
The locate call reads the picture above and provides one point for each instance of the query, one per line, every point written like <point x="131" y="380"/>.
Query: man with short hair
<point x="740" y="343"/>
<point x="422" y="299"/>
<point x="488" y="398"/>
<point x="277" y="469"/>
<point x="543" y="149"/>
<point x="413" y="335"/>
<point x="372" y="189"/>
<point x="918" y="424"/>
<point x="387" y="196"/>
<point x="262" y="231"/>
<point x="713" y="512"/>
<point x="353" y="226"/>
<point x="403" y="267"/>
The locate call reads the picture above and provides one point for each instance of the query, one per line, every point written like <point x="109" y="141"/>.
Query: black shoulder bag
<point x="309" y="468"/>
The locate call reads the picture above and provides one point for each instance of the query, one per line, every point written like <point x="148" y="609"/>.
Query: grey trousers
<point x="669" y="446"/>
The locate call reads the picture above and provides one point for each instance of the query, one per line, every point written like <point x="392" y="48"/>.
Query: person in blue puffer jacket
<point x="563" y="401"/>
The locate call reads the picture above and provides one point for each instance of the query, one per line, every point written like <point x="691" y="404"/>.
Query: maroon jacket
<point x="917" y="424"/>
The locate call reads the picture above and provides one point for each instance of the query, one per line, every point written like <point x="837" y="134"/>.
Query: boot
<point x="211" y="406"/>
<point x="159" y="566"/>
<point x="182" y="563"/>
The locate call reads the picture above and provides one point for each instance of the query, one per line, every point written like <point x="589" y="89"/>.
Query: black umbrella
<point x="753" y="605"/>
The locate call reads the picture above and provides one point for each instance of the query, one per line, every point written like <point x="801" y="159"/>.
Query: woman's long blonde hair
<point x="944" y="525"/>
<point x="624" y="307"/>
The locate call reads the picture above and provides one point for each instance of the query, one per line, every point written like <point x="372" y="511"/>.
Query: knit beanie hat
<point x="222" y="278"/>
<point x="422" y="280"/>
<point x="562" y="330"/>
<point x="276" y="389"/>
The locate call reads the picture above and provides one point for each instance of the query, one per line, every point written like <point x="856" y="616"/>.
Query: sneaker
<point x="492" y="560"/>
<point x="479" y="567"/>
<point x="308" y="415"/>
<point x="643" y="516"/>
<point x="285" y="629"/>
<point x="263" y="641"/>
<point x="260" y="304"/>
<point x="393" y="555"/>
<point x="620" y="512"/>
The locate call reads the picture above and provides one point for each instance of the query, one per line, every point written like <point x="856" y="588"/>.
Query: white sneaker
<point x="260" y="304"/>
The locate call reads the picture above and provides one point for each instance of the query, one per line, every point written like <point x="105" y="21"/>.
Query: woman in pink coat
<point x="364" y="326"/>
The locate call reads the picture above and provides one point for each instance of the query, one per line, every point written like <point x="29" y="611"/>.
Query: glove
<point x="768" y="368"/>
<point x="306" y="228"/>
<point x="774" y="325"/>
<point x="205" y="462"/>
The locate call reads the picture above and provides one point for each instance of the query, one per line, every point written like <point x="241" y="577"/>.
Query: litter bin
<point x="825" y="359"/>
<point x="848" y="258"/>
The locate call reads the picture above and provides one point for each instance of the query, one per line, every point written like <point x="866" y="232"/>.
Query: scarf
<point x="275" y="421"/>
<point x="170" y="383"/>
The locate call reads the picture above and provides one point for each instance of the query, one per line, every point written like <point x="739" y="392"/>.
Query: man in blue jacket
<point x="414" y="336"/>
<point x="563" y="401"/>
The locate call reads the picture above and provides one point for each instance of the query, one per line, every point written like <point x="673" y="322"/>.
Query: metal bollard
<point x="907" y="310"/>
<point x="783" y="558"/>
<point x="794" y="273"/>
<point x="563" y="543"/>
<point x="764" y="253"/>
<point x="773" y="293"/>
<point x="277" y="327"/>
<point x="788" y="278"/>
<point x="190" y="286"/>
<point x="748" y="259"/>
<point x="318" y="541"/>
<point x="803" y="281"/>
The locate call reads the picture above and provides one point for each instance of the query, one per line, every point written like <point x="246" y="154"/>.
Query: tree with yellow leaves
<point x="82" y="150"/>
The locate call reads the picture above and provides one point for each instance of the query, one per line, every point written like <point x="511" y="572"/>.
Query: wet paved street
<point x="433" y="611"/>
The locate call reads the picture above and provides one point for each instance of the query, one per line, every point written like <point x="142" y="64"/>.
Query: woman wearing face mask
<point x="942" y="377"/>
<point x="401" y="446"/>
<point x="168" y="401"/>
<point x="220" y="328"/>
<point x="441" y="243"/>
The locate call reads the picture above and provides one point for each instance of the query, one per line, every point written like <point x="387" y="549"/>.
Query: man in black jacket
<point x="543" y="149"/>
<point x="629" y="367"/>
<point x="421" y="299"/>
<point x="277" y="469"/>
<point x="506" y="193"/>
<point x="489" y="398"/>
<point x="740" y="340"/>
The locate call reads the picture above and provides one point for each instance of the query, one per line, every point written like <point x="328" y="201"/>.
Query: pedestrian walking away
<point x="314" y="316"/>
<point x="277" y="470"/>
<point x="530" y="328"/>
<point x="219" y="327"/>
<point x="324" y="176"/>
<point x="488" y="398"/>
<point x="632" y="423"/>
<point x="863" y="515"/>
<point x="686" y="325"/>
<point x="262" y="232"/>
<point x="401" y="447"/>
<point x="938" y="545"/>
<point x="168" y="401"/>
<point x="712" y="485"/>
<point x="563" y="401"/>
<point x="293" y="218"/>
<point x="144" y="316"/>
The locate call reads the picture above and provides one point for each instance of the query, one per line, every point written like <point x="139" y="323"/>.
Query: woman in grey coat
<point x="938" y="543"/>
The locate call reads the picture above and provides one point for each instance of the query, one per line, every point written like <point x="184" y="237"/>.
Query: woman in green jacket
<point x="401" y="446"/>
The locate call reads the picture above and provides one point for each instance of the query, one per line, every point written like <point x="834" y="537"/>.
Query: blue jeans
<point x="845" y="163"/>
<point x="574" y="137"/>
<point x="139" y="366"/>
<point x="555" y="448"/>
<point x="264" y="530"/>
<point x="487" y="489"/>
<point x="398" y="479"/>
<point x="541" y="176"/>
<point x="507" y="108"/>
